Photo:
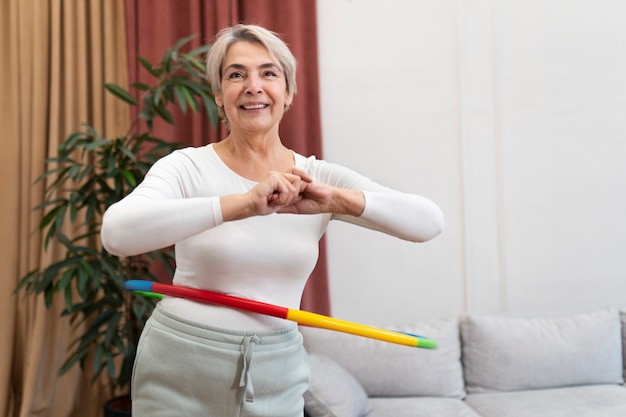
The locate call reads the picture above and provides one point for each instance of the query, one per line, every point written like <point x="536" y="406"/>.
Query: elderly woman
<point x="246" y="215"/>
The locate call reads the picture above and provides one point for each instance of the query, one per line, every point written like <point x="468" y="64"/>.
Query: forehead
<point x="248" y="54"/>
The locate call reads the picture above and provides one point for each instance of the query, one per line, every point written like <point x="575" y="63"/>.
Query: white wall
<point x="511" y="115"/>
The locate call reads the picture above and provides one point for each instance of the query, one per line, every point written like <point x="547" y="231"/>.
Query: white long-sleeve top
<point x="265" y="258"/>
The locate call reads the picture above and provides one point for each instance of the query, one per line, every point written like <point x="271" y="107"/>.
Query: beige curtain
<point x="56" y="57"/>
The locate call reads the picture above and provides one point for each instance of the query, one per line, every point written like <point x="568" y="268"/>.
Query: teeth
<point x="255" y="106"/>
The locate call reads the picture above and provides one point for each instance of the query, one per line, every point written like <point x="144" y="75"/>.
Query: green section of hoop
<point x="149" y="294"/>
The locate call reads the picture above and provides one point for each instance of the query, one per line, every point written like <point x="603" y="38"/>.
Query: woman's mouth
<point x="253" y="106"/>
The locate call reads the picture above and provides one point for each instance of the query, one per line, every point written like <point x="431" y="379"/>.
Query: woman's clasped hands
<point x="280" y="191"/>
<point x="295" y="192"/>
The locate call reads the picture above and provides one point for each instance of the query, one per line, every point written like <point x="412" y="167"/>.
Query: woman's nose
<point x="253" y="84"/>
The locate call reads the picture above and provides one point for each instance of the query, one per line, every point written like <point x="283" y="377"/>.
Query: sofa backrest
<point x="503" y="353"/>
<point x="385" y="369"/>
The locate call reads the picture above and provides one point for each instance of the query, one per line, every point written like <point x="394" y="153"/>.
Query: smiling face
<point x="253" y="89"/>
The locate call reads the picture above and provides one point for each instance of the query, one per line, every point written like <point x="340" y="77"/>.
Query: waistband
<point x="222" y="336"/>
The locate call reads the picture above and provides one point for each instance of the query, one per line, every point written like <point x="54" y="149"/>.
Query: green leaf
<point x="60" y="216"/>
<point x="97" y="358"/>
<point x="179" y="44"/>
<point x="70" y="141"/>
<point x="141" y="86"/>
<point x="60" y="169"/>
<point x="191" y="57"/>
<point x="180" y="97"/>
<point x="80" y="353"/>
<point x="158" y="94"/>
<point x="65" y="281"/>
<point x="86" y="172"/>
<point x="111" y="366"/>
<point x="190" y="99"/>
<point x="83" y="280"/>
<point x="97" y="144"/>
<point x="130" y="179"/>
<point x="147" y="113"/>
<point x="112" y="328"/>
<point x="51" y="216"/>
<point x="44" y="283"/>
<point x="91" y="209"/>
<point x="147" y="65"/>
<point x="211" y="110"/>
<point x="120" y="93"/>
<point x="68" y="298"/>
<point x="201" y="50"/>
<point x="128" y="153"/>
<point x="47" y="299"/>
<point x="164" y="113"/>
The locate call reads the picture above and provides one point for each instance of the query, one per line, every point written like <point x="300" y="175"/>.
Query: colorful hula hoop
<point x="157" y="289"/>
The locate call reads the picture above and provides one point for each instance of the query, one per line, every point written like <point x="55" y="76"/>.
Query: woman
<point x="246" y="215"/>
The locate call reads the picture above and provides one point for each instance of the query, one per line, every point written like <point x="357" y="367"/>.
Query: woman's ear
<point x="288" y="100"/>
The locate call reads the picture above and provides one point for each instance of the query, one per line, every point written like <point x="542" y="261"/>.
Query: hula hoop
<point x="158" y="290"/>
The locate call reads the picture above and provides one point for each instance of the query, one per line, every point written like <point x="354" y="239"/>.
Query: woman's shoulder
<point x="194" y="152"/>
<point x="326" y="171"/>
<point x="189" y="154"/>
<point x="308" y="163"/>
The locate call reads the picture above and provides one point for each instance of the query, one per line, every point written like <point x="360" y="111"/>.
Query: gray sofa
<point x="486" y="365"/>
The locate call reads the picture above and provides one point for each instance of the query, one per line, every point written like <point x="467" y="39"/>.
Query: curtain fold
<point x="9" y="204"/>
<point x="154" y="26"/>
<point x="59" y="55"/>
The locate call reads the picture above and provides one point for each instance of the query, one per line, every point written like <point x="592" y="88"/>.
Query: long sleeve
<point x="138" y="224"/>
<point x="163" y="210"/>
<point x="403" y="215"/>
<point x="406" y="216"/>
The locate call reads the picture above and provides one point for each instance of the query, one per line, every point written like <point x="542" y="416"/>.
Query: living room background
<point x="511" y="116"/>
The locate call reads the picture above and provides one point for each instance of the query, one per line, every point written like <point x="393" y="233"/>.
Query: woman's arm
<point x="406" y="216"/>
<point x="159" y="213"/>
<point x="356" y="199"/>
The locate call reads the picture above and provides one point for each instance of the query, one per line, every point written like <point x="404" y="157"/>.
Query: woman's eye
<point x="270" y="74"/>
<point x="235" y="75"/>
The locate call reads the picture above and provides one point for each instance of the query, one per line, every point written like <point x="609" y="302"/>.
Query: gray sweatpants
<point x="184" y="369"/>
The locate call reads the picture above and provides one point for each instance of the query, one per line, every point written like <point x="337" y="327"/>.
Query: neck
<point x="257" y="144"/>
<point x="254" y="156"/>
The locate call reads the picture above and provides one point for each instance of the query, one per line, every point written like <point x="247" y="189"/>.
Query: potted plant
<point x="87" y="175"/>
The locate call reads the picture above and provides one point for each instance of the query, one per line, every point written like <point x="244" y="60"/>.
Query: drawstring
<point x="247" y="350"/>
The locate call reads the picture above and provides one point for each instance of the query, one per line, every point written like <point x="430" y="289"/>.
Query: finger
<point x="298" y="181"/>
<point x="284" y="191"/>
<point x="302" y="174"/>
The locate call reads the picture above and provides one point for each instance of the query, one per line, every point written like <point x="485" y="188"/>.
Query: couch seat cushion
<point x="584" y="401"/>
<point x="419" y="407"/>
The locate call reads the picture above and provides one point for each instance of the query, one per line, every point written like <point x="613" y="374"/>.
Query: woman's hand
<point x="292" y="192"/>
<point x="317" y="197"/>
<point x="276" y="191"/>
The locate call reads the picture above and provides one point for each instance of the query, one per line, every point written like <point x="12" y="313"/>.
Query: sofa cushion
<point x="503" y="353"/>
<point x="420" y="407"/>
<point x="585" y="401"/>
<point x="333" y="392"/>
<point x="387" y="369"/>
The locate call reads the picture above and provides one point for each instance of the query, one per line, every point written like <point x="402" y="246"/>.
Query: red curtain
<point x="153" y="26"/>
